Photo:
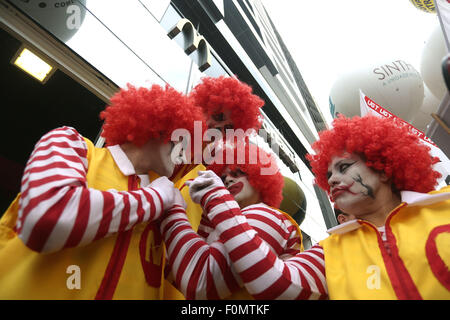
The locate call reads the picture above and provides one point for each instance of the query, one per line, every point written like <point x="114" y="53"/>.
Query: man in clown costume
<point x="227" y="103"/>
<point x="396" y="248"/>
<point x="85" y="223"/>
<point x="199" y="262"/>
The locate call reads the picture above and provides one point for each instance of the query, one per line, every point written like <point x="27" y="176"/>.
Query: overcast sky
<point x="328" y="38"/>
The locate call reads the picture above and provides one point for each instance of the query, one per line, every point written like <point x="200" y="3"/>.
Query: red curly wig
<point x="216" y="95"/>
<point x="270" y="187"/>
<point x="385" y="145"/>
<point x="138" y="114"/>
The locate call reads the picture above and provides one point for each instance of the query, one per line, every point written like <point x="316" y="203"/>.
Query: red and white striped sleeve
<point x="199" y="261"/>
<point x="264" y="274"/>
<point x="57" y="209"/>
<point x="274" y="228"/>
<point x="205" y="227"/>
<point x="200" y="270"/>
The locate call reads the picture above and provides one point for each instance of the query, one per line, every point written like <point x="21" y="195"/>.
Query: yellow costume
<point x="127" y="265"/>
<point x="358" y="266"/>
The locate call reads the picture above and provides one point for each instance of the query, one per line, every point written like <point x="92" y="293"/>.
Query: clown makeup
<point x="220" y="121"/>
<point x="352" y="184"/>
<point x="161" y="156"/>
<point x="163" y="159"/>
<point x="178" y="152"/>
<point x="240" y="188"/>
<point x="154" y="155"/>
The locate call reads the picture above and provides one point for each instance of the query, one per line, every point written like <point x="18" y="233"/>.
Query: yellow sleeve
<point x="8" y="222"/>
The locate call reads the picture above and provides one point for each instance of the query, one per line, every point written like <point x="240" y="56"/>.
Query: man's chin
<point x="170" y="172"/>
<point x="166" y="172"/>
<point x="237" y="198"/>
<point x="348" y="208"/>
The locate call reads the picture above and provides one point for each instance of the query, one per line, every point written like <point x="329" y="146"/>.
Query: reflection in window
<point x="138" y="31"/>
<point x="121" y="39"/>
<point x="101" y="48"/>
<point x="216" y="69"/>
<point x="195" y="78"/>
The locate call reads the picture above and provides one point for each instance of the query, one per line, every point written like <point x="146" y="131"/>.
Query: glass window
<point x="138" y="30"/>
<point x="121" y="39"/>
<point x="196" y="76"/>
<point x="216" y="69"/>
<point x="170" y="18"/>
<point x="107" y="53"/>
<point x="168" y="22"/>
<point x="156" y="7"/>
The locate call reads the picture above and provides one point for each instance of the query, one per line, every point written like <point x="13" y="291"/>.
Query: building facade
<point x="99" y="46"/>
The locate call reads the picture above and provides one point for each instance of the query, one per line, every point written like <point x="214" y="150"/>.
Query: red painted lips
<point x="337" y="191"/>
<point x="234" y="189"/>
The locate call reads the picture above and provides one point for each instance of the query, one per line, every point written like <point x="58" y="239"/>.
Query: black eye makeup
<point x="218" y="117"/>
<point x="344" y="166"/>
<point x="228" y="126"/>
<point x="235" y="174"/>
<point x="341" y="167"/>
<point x="238" y="173"/>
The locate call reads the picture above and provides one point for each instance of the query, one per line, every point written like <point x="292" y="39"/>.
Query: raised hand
<point x="206" y="182"/>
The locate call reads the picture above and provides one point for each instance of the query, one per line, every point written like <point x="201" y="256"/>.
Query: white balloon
<point x="62" y="18"/>
<point x="423" y="117"/>
<point x="430" y="65"/>
<point x="394" y="84"/>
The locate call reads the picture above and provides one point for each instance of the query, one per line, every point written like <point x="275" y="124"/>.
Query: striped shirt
<point x="58" y="210"/>
<point x="200" y="263"/>
<point x="265" y="275"/>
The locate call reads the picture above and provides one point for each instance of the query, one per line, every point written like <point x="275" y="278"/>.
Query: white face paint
<point x="220" y="122"/>
<point x="240" y="188"/>
<point x="165" y="159"/>
<point x="159" y="157"/>
<point x="178" y="153"/>
<point x="353" y="185"/>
